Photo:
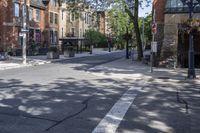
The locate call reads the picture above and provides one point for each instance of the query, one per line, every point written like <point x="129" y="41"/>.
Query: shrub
<point x="53" y="49"/>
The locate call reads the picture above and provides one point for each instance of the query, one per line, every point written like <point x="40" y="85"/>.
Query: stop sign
<point x="154" y="28"/>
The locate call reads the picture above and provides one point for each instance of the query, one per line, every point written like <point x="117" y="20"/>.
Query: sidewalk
<point x="123" y="68"/>
<point x="16" y="62"/>
<point x="168" y="102"/>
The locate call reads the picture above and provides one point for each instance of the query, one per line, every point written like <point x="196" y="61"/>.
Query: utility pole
<point x="153" y="39"/>
<point x="24" y="30"/>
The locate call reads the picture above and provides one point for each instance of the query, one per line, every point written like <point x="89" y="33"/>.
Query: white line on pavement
<point x="111" y="121"/>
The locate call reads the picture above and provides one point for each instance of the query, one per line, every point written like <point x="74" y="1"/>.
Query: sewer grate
<point x="163" y="77"/>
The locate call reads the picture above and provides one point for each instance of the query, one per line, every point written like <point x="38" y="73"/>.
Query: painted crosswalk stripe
<point x="111" y="121"/>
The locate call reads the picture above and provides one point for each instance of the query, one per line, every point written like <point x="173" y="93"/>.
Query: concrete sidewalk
<point x="168" y="103"/>
<point x="124" y="68"/>
<point x="16" y="62"/>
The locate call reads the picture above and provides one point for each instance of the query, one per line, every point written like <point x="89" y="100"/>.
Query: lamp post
<point x="109" y="43"/>
<point x="127" y="41"/>
<point x="24" y="29"/>
<point x="191" y="69"/>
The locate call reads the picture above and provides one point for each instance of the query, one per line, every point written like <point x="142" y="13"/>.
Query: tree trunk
<point x="137" y="30"/>
<point x="134" y="19"/>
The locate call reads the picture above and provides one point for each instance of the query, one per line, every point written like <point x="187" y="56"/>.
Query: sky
<point x="143" y="12"/>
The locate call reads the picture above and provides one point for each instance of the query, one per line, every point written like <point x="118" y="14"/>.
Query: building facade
<point x="9" y="24"/>
<point x="170" y="16"/>
<point x="45" y="24"/>
<point x="42" y="24"/>
<point x="52" y="23"/>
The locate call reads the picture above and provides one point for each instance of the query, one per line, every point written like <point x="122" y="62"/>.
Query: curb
<point x="33" y="62"/>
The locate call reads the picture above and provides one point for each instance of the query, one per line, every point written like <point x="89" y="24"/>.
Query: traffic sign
<point x="154" y="28"/>
<point x="154" y="47"/>
<point x="21" y="34"/>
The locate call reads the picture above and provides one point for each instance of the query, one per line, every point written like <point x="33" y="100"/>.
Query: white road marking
<point x="111" y="121"/>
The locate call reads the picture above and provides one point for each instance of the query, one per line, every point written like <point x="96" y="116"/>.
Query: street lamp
<point x="24" y="29"/>
<point x="191" y="69"/>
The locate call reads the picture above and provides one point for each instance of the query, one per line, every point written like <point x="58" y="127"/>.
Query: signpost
<point x="153" y="44"/>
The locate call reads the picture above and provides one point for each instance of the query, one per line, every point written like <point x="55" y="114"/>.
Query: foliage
<point x="53" y="49"/>
<point x="131" y="7"/>
<point x="119" y="24"/>
<point x="95" y="38"/>
<point x="191" y="25"/>
<point x="147" y="27"/>
<point x="69" y="48"/>
<point x="102" y="41"/>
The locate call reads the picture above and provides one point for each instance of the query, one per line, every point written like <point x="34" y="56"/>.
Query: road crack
<point x="85" y="103"/>
<point x="182" y="101"/>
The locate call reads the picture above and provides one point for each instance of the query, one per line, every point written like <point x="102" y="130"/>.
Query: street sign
<point x="25" y="30"/>
<point x="154" y="47"/>
<point x="21" y="34"/>
<point x="8" y="24"/>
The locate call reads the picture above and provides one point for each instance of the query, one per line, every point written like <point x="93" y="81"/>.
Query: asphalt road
<point x="58" y="98"/>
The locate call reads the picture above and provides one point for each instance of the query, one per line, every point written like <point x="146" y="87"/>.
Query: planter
<point x="53" y="55"/>
<point x="69" y="51"/>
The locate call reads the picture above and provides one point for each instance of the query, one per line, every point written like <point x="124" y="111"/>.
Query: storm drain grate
<point x="163" y="77"/>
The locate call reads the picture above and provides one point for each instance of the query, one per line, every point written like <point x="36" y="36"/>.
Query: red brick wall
<point x="48" y="26"/>
<point x="8" y="36"/>
<point x="159" y="6"/>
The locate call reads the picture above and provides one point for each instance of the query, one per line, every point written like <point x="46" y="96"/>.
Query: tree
<point x="95" y="38"/>
<point x="134" y="17"/>
<point x="128" y="6"/>
<point x="147" y="26"/>
<point x="118" y="23"/>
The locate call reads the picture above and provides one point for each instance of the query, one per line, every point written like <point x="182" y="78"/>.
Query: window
<point x="31" y="33"/>
<point x="31" y="14"/>
<point x="56" y="19"/>
<point x="55" y="37"/>
<point x="73" y="31"/>
<point x="38" y="2"/>
<point x="177" y="6"/>
<point x="51" y="37"/>
<point x="16" y="9"/>
<point x="85" y="17"/>
<point x="54" y="2"/>
<point x="62" y="32"/>
<point x="37" y="36"/>
<point x="51" y="18"/>
<point x="62" y="14"/>
<point x="72" y="16"/>
<point x="80" y="33"/>
<point x="37" y="15"/>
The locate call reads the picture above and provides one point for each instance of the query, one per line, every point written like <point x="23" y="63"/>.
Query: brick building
<point x="9" y="24"/>
<point x="42" y="23"/>
<point x="173" y="44"/>
<point x="52" y="23"/>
